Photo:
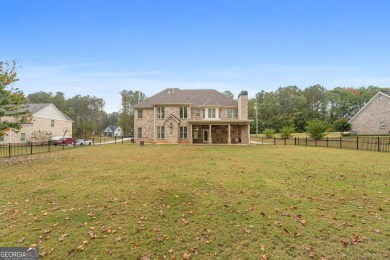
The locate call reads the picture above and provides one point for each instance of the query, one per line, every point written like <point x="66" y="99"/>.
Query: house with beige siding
<point x="201" y="116"/>
<point x="46" y="120"/>
<point x="374" y="117"/>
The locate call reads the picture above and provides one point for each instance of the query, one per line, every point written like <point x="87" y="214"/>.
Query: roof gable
<point x="45" y="110"/>
<point x="193" y="97"/>
<point x="384" y="93"/>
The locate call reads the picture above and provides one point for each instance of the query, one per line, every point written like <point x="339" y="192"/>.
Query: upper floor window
<point x="140" y="113"/>
<point x="232" y="113"/>
<point x="52" y="123"/>
<point x="197" y="112"/>
<point x="382" y="125"/>
<point x="183" y="112"/>
<point x="211" y="113"/>
<point x="160" y="112"/>
<point x="1" y="138"/>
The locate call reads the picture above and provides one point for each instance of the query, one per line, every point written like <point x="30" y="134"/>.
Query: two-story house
<point x="46" y="120"/>
<point x="202" y="116"/>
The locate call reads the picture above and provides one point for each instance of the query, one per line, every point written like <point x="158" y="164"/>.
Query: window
<point x="139" y="132"/>
<point x="197" y="112"/>
<point x="211" y="113"/>
<point x="160" y="132"/>
<point x="52" y="123"/>
<point x="160" y="112"/>
<point x="183" y="112"/>
<point x="183" y="132"/>
<point x="22" y="137"/>
<point x="382" y="125"/>
<point x="232" y="113"/>
<point x="1" y="138"/>
<point x="140" y="113"/>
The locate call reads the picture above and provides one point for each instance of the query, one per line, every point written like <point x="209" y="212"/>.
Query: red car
<point x="64" y="141"/>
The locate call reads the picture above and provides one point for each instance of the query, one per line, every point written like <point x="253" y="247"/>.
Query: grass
<point x="198" y="202"/>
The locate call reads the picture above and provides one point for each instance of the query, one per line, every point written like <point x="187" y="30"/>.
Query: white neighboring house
<point x="45" y="118"/>
<point x="113" y="130"/>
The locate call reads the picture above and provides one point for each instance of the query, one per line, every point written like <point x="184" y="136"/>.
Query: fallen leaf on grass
<point x="21" y="240"/>
<point x="186" y="256"/>
<point x="264" y="257"/>
<point x="62" y="237"/>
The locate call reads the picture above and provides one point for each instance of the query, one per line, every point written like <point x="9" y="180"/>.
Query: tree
<point x="126" y="116"/>
<point x="287" y="131"/>
<point x="316" y="129"/>
<point x="12" y="100"/>
<point x="229" y="94"/>
<point x="341" y="125"/>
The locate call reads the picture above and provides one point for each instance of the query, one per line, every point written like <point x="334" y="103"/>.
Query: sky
<point x="99" y="48"/>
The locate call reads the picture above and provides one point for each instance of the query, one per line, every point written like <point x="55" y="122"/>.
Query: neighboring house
<point x="202" y="116"/>
<point x="113" y="130"/>
<point x="45" y="118"/>
<point x="374" y="117"/>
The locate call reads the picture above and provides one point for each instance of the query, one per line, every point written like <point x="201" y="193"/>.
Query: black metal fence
<point x="367" y="143"/>
<point x="17" y="149"/>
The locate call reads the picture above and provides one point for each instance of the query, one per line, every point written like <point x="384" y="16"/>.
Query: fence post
<point x="379" y="148"/>
<point x="262" y="140"/>
<point x="274" y="140"/>
<point x="122" y="139"/>
<point x="48" y="146"/>
<point x="9" y="150"/>
<point x="327" y="141"/>
<point x="100" y="141"/>
<point x="357" y="143"/>
<point x="31" y="148"/>
<point x="285" y="141"/>
<point x="341" y="142"/>
<point x="114" y="139"/>
<point x="306" y="141"/>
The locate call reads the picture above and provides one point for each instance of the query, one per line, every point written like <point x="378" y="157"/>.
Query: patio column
<point x="210" y="141"/>
<point x="191" y="139"/>
<point x="229" y="138"/>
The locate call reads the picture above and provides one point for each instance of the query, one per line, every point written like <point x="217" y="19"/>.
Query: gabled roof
<point x="174" y="118"/>
<point x="194" y="97"/>
<point x="35" y="108"/>
<point x="113" y="127"/>
<point x="383" y="93"/>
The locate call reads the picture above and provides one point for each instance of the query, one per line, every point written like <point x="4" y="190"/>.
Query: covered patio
<point x="220" y="133"/>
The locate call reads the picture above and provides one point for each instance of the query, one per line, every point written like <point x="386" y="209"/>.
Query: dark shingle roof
<point x="195" y="97"/>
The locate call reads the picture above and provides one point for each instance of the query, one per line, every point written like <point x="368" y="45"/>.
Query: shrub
<point x="269" y="132"/>
<point x="287" y="131"/>
<point x="341" y="125"/>
<point x="316" y="129"/>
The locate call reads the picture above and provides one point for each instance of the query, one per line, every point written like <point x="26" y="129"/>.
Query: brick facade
<point x="374" y="117"/>
<point x="208" y="122"/>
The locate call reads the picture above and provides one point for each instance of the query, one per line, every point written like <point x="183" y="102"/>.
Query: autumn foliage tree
<point x="12" y="100"/>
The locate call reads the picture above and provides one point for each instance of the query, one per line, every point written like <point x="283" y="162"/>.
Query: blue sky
<point x="98" y="48"/>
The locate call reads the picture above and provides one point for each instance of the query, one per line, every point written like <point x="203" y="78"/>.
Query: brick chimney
<point x="243" y="105"/>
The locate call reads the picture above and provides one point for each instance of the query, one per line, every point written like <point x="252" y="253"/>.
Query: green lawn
<point x="198" y="202"/>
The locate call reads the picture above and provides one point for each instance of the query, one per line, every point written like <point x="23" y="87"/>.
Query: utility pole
<point x="257" y="123"/>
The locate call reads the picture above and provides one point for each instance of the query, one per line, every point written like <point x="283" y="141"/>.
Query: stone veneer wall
<point x="243" y="106"/>
<point x="146" y="123"/>
<point x="170" y="136"/>
<point x="369" y="119"/>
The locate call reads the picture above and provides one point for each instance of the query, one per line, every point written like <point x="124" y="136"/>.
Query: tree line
<point x="286" y="107"/>
<point x="291" y="106"/>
